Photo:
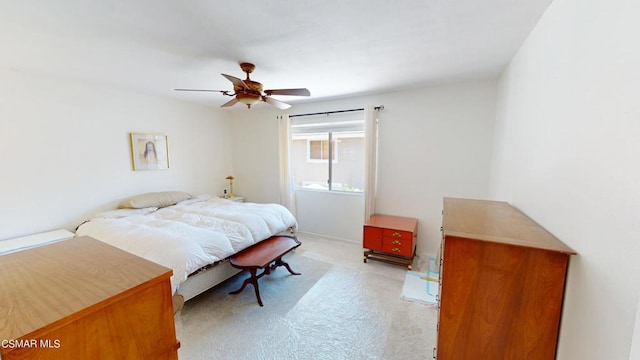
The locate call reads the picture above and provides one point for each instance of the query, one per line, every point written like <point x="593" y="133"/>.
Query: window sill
<point x="347" y="193"/>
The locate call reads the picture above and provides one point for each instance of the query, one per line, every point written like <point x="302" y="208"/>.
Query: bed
<point x="192" y="235"/>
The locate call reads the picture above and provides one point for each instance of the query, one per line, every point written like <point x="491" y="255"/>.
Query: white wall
<point x="336" y="215"/>
<point x="635" y="340"/>
<point x="567" y="153"/>
<point x="433" y="142"/>
<point x="256" y="169"/>
<point x="65" y="153"/>
<point x="256" y="165"/>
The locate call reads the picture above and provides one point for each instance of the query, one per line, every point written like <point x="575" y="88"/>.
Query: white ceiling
<point x="334" y="47"/>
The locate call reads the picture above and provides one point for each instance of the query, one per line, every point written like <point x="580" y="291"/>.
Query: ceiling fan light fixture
<point x="248" y="98"/>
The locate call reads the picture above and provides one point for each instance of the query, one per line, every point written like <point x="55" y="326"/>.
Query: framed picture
<point x="149" y="151"/>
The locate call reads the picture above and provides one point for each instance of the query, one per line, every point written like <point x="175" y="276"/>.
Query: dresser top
<point x="496" y="221"/>
<point x="393" y="222"/>
<point x="47" y="284"/>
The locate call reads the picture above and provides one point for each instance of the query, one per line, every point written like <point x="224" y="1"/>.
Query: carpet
<point x="218" y="325"/>
<point x="339" y="308"/>
<point x="279" y="290"/>
<point x="421" y="287"/>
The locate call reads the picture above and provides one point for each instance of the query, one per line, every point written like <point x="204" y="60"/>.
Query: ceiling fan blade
<point x="236" y="81"/>
<point x="294" y="92"/>
<point x="230" y="103"/>
<point x="224" y="92"/>
<point x="279" y="104"/>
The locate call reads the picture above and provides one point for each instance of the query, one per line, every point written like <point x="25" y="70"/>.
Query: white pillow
<point x="119" y="213"/>
<point x="154" y="199"/>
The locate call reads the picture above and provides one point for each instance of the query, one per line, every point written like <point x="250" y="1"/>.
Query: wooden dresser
<point x="391" y="239"/>
<point x="84" y="299"/>
<point x="502" y="280"/>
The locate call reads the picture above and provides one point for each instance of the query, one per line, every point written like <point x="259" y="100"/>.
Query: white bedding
<point x="191" y="234"/>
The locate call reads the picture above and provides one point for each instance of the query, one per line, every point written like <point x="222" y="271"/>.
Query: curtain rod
<point x="378" y="108"/>
<point x="327" y="112"/>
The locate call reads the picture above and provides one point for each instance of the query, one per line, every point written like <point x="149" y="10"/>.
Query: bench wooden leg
<point x="279" y="262"/>
<point x="253" y="280"/>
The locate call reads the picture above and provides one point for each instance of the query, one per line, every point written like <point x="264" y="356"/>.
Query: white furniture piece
<point x="30" y="241"/>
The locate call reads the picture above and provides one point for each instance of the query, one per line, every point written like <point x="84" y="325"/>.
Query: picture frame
<point x="149" y="151"/>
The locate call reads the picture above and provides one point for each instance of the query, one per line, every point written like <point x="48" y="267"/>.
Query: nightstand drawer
<point x="397" y="234"/>
<point x="406" y="250"/>
<point x="398" y="242"/>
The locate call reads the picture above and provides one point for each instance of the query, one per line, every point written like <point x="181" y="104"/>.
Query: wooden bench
<point x="266" y="255"/>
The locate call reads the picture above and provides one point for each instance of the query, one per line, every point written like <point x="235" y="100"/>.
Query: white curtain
<point x="287" y="189"/>
<point x="371" y="161"/>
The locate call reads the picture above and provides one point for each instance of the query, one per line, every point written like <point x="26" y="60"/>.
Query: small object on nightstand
<point x="232" y="197"/>
<point x="230" y="178"/>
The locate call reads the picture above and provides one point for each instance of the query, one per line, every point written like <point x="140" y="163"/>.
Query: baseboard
<point x="329" y="237"/>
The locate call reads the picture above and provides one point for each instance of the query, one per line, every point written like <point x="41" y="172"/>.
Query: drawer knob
<point x="397" y="234"/>
<point x="396" y="242"/>
<point x="395" y="249"/>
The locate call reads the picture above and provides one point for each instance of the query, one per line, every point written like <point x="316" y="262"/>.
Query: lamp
<point x="248" y="98"/>
<point x="230" y="178"/>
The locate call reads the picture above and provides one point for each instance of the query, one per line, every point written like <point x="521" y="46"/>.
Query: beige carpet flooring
<point x="339" y="308"/>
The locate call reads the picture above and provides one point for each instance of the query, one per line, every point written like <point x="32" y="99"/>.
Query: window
<point x="318" y="150"/>
<point x="328" y="151"/>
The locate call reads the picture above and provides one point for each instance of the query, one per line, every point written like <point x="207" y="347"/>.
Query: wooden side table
<point x="390" y="239"/>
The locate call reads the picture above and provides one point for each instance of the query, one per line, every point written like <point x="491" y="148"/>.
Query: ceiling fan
<point x="250" y="92"/>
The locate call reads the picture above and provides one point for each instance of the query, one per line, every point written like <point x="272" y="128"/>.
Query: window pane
<point x="325" y="150"/>
<point x="315" y="149"/>
<point x="319" y="150"/>
<point x="310" y="151"/>
<point x="348" y="170"/>
<point x="310" y="168"/>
